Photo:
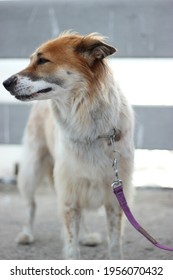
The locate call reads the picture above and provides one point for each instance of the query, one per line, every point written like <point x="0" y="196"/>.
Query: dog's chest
<point x="85" y="160"/>
<point x="90" y="172"/>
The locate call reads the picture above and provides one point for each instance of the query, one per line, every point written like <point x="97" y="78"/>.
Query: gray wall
<point x="138" y="28"/>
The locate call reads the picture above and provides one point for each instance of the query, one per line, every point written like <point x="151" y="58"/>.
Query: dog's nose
<point x="10" y="83"/>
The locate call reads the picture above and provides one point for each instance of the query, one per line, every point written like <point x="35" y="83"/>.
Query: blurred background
<point x="141" y="30"/>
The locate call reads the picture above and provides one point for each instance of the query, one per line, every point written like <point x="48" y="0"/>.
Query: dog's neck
<point x="85" y="119"/>
<point x="88" y="127"/>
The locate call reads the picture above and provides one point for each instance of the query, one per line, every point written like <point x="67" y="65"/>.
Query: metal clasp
<point x="117" y="182"/>
<point x="115" y="168"/>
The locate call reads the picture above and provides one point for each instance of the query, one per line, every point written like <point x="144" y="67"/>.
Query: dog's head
<point x="59" y="66"/>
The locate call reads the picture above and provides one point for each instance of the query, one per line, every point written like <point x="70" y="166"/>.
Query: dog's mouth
<point x="25" y="97"/>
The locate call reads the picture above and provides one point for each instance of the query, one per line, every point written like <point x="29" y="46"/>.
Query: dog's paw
<point x="25" y="238"/>
<point x="71" y="252"/>
<point x="91" y="239"/>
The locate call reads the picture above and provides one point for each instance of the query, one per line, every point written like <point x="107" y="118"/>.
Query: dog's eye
<point x="42" y="60"/>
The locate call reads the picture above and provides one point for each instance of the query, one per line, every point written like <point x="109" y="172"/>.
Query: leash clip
<point x="117" y="181"/>
<point x="115" y="168"/>
<point x="116" y="184"/>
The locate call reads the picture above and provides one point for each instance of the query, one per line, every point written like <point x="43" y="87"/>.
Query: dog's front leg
<point x="69" y="209"/>
<point x="114" y="221"/>
<point x="71" y="228"/>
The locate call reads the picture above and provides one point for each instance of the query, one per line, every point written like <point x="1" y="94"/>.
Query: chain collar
<point x="113" y="136"/>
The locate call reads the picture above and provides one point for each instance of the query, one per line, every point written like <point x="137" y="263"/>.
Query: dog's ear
<point x="94" y="50"/>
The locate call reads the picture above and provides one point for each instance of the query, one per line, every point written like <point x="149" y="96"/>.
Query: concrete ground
<point x="153" y="208"/>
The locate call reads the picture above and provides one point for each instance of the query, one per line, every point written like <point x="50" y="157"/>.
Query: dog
<point x="78" y="102"/>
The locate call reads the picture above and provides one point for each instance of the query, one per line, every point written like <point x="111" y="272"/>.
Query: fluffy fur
<point x="62" y="137"/>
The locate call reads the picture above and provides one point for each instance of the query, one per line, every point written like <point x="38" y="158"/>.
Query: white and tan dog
<point x="64" y="133"/>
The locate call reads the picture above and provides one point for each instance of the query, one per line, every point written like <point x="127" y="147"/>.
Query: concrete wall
<point x="138" y="28"/>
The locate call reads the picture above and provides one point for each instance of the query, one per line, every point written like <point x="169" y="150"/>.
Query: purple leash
<point x="118" y="191"/>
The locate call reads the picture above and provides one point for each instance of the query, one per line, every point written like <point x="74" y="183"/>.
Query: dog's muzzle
<point x="23" y="89"/>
